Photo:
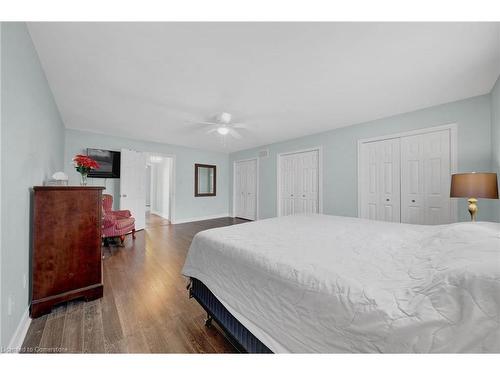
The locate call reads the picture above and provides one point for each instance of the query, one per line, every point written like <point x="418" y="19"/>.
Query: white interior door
<point x="287" y="172"/>
<point x="412" y="180"/>
<point x="251" y="190"/>
<point x="299" y="183"/>
<point x="133" y="185"/>
<point x="239" y="189"/>
<point x="307" y="184"/>
<point x="425" y="178"/>
<point x="245" y="189"/>
<point x="369" y="167"/>
<point x="380" y="180"/>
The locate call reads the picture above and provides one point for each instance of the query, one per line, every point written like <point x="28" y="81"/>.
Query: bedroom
<point x="327" y="187"/>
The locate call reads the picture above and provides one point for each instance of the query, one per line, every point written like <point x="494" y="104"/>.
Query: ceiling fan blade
<point x="211" y="130"/>
<point x="235" y="134"/>
<point x="194" y="127"/>
<point x="207" y="123"/>
<point x="239" y="126"/>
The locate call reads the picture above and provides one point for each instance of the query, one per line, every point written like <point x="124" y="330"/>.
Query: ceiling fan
<point x="223" y="126"/>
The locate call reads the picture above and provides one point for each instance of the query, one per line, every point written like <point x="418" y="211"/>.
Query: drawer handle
<point x="413" y="200"/>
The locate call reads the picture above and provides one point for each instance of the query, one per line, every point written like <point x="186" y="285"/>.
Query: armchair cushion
<point x="124" y="223"/>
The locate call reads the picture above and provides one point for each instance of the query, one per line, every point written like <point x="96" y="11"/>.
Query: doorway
<point x="159" y="189"/>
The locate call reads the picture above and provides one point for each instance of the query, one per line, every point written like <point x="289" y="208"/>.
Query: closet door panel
<point x="286" y="185"/>
<point x="251" y="193"/>
<point x="389" y="172"/>
<point x="308" y="174"/>
<point x="370" y="185"/>
<point x="299" y="183"/>
<point x="246" y="189"/>
<point x="380" y="180"/>
<point x="412" y="180"/>
<point x="437" y="169"/>
<point x="239" y="190"/>
<point x="426" y="173"/>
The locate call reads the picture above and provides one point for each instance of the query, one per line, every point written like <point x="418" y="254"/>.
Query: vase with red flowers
<point x="84" y="164"/>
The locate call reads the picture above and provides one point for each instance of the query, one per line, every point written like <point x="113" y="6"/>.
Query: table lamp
<point x="472" y="186"/>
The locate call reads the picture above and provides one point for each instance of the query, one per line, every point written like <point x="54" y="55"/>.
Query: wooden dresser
<point x="67" y="261"/>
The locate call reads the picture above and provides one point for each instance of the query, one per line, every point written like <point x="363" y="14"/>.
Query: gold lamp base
<point x="472" y="208"/>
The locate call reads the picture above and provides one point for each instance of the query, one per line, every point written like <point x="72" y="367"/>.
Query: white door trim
<point x="452" y="127"/>
<point x="257" y="209"/>
<point x="320" y="176"/>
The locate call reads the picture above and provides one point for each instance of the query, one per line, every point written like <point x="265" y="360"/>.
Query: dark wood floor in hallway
<point x="145" y="308"/>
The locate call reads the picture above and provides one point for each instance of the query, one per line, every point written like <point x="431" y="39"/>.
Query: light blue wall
<point x="32" y="149"/>
<point x="186" y="204"/>
<point x="495" y="139"/>
<point x="340" y="153"/>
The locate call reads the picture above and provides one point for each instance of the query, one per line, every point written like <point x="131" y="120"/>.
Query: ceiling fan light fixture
<point x="222" y="130"/>
<point x="225" y="117"/>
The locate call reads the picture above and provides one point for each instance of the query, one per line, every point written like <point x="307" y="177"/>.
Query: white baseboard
<point x="200" y="218"/>
<point x="17" y="339"/>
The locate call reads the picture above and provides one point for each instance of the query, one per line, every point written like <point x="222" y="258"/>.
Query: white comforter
<point x="334" y="284"/>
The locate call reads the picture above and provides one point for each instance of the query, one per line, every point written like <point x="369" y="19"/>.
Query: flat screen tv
<point x="109" y="162"/>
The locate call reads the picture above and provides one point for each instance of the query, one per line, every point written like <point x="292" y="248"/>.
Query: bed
<point x="329" y="284"/>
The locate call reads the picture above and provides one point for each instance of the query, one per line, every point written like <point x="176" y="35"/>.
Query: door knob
<point x="413" y="200"/>
<point x="387" y="199"/>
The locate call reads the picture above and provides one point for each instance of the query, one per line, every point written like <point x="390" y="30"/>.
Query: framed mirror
<point x="205" y="180"/>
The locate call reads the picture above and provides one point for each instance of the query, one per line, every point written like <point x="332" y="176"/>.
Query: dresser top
<point x="56" y="187"/>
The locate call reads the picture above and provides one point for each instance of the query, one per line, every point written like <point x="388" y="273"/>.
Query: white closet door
<point x="425" y="178"/>
<point x="299" y="183"/>
<point x="239" y="198"/>
<point x="287" y="189"/>
<point x="251" y="190"/>
<point x="369" y="167"/>
<point x="306" y="193"/>
<point x="437" y="178"/>
<point x="380" y="176"/>
<point x="389" y="182"/>
<point x="133" y="185"/>
<point x="246" y="189"/>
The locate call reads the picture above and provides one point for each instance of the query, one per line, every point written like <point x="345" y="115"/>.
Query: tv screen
<point x="109" y="162"/>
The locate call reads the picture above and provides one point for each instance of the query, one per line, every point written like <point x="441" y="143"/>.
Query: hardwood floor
<point x="145" y="308"/>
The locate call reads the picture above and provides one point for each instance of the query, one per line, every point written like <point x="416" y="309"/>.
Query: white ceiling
<point x="154" y="81"/>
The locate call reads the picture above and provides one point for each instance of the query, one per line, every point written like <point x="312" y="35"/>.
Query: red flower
<point x="84" y="164"/>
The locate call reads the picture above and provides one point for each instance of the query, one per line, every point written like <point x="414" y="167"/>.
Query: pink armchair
<point x="116" y="223"/>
